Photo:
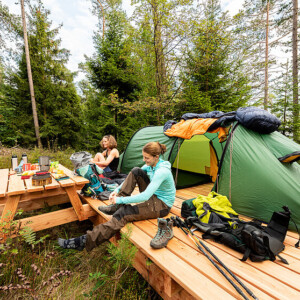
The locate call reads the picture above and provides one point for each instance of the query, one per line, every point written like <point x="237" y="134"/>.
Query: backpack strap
<point x="297" y="244"/>
<point x="246" y="254"/>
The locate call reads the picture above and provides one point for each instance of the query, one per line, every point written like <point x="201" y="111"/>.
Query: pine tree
<point x="282" y="106"/>
<point x="113" y="76"/>
<point x="58" y="104"/>
<point x="213" y="78"/>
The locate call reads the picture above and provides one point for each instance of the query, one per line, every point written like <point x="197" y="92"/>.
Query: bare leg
<point x="99" y="158"/>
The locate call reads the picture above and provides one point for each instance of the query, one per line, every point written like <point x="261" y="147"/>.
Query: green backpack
<point x="91" y="172"/>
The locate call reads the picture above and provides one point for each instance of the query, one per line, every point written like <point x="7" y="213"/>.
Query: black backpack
<point x="255" y="241"/>
<point x="251" y="239"/>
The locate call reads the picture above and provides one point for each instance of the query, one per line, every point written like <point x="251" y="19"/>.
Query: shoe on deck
<point x="163" y="235"/>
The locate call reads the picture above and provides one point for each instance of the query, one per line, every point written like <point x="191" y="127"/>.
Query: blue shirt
<point x="161" y="184"/>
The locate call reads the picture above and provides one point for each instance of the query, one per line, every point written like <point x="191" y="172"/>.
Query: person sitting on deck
<point x="157" y="195"/>
<point x="108" y="160"/>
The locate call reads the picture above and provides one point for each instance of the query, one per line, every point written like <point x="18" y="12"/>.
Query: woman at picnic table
<point x="109" y="158"/>
<point x="157" y="195"/>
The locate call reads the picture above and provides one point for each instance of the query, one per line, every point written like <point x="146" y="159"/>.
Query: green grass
<point x="33" y="156"/>
<point x="79" y="284"/>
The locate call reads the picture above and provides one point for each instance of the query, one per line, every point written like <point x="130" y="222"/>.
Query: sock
<point x="77" y="243"/>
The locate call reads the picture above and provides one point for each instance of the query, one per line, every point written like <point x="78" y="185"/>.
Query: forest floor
<point x="33" y="266"/>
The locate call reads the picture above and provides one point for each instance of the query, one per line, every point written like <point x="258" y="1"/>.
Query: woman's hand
<point x="112" y="197"/>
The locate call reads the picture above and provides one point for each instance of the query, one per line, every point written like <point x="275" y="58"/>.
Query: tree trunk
<point x="296" y="126"/>
<point x="266" y="97"/>
<point x="160" y="67"/>
<point x="34" y="111"/>
<point x="103" y="25"/>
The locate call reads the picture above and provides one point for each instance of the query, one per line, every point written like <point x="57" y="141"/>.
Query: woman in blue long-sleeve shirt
<point x="157" y="195"/>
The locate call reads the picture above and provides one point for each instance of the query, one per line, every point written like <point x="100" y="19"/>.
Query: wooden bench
<point x="180" y="271"/>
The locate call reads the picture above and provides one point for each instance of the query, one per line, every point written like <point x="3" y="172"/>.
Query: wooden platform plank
<point x="52" y="219"/>
<point x="198" y="261"/>
<point x="34" y="204"/>
<point x="192" y="281"/>
<point x="3" y="181"/>
<point x="79" y="180"/>
<point x="66" y="182"/>
<point x="31" y="188"/>
<point x="243" y="270"/>
<point x="291" y="270"/>
<point x="15" y="185"/>
<point x="53" y="185"/>
<point x="274" y="270"/>
<point x="157" y="279"/>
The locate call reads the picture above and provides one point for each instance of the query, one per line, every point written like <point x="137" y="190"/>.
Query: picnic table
<point x="16" y="193"/>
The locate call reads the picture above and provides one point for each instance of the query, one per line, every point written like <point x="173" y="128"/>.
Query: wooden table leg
<point x="76" y="202"/>
<point x="10" y="208"/>
<point x="8" y="214"/>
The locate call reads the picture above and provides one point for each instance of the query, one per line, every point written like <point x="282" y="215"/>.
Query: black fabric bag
<point x="255" y="241"/>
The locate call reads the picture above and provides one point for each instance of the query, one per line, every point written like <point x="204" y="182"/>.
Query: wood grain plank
<point x="175" y="267"/>
<point x="3" y="181"/>
<point x="15" y="185"/>
<point x="245" y="271"/>
<point x="53" y="185"/>
<point x="76" y="202"/>
<point x="156" y="278"/>
<point x="79" y="180"/>
<point x="39" y="203"/>
<point x="49" y="220"/>
<point x="66" y="182"/>
<point x="188" y="252"/>
<point x="10" y="208"/>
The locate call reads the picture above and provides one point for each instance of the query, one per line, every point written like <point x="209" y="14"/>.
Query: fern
<point x="28" y="235"/>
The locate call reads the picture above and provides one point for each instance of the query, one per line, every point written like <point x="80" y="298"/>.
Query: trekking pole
<point x="217" y="259"/>
<point x="178" y="222"/>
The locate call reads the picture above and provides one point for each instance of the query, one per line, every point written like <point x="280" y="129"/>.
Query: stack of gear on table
<point x="214" y="216"/>
<point x="41" y="178"/>
<point x="101" y="184"/>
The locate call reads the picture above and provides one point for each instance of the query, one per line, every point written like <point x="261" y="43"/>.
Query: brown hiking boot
<point x="163" y="235"/>
<point x="109" y="209"/>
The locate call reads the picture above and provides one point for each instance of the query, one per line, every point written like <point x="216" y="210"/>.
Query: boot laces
<point x="160" y="234"/>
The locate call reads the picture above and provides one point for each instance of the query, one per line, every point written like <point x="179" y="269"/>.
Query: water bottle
<point x="14" y="162"/>
<point x="24" y="158"/>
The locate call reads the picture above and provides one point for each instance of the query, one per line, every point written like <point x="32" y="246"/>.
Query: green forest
<point x="168" y="58"/>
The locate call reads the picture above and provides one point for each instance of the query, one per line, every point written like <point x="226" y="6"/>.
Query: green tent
<point x="191" y="166"/>
<point x="249" y="167"/>
<point x="252" y="176"/>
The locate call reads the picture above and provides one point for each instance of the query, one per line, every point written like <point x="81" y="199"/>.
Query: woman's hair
<point x="112" y="143"/>
<point x="155" y="148"/>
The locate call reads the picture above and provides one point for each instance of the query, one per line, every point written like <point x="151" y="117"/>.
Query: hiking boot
<point x="163" y="235"/>
<point x="109" y="209"/>
<point x="77" y="243"/>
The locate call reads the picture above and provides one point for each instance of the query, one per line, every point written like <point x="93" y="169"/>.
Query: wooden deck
<point x="180" y="271"/>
